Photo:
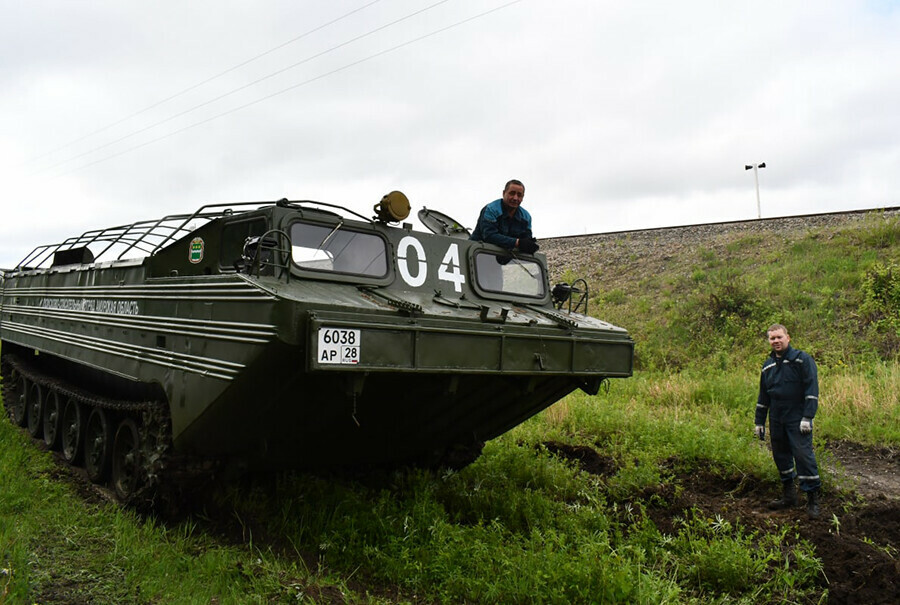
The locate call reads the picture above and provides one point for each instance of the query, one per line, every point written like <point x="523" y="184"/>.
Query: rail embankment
<point x="604" y="252"/>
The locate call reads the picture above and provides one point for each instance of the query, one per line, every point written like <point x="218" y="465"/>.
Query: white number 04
<point x="449" y="270"/>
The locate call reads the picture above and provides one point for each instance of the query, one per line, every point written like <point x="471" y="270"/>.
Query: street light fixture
<point x="755" y="168"/>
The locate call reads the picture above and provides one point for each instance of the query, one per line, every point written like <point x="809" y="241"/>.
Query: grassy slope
<point x="715" y="300"/>
<point x="520" y="525"/>
<point x="702" y="314"/>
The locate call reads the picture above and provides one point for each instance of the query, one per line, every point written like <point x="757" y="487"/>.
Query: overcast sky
<point x="616" y="115"/>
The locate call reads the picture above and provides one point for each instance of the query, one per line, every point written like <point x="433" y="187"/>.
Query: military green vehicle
<point x="289" y="334"/>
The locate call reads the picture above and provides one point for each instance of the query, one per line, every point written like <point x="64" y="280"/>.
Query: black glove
<point x="528" y="245"/>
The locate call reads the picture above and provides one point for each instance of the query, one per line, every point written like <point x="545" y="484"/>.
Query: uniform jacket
<point x="495" y="226"/>
<point x="788" y="387"/>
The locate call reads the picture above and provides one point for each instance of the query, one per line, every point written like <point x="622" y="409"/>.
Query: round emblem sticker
<point x="196" y="254"/>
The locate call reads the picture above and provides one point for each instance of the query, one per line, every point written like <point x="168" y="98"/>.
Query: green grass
<point x="517" y="526"/>
<point x="54" y="543"/>
<point x="521" y="525"/>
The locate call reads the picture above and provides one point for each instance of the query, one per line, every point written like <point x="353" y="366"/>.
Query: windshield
<point x="338" y="250"/>
<point x="519" y="276"/>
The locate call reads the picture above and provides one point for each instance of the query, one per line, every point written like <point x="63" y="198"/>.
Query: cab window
<point x="507" y="275"/>
<point x="336" y="249"/>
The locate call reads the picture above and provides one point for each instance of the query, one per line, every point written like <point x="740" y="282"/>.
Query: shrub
<point x="881" y="307"/>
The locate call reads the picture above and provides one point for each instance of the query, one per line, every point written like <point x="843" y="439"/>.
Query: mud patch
<point x="855" y="571"/>
<point x="858" y="544"/>
<point x="878" y="521"/>
<point x="587" y="458"/>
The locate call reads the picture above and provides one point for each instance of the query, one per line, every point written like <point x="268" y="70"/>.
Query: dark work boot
<point x="812" y="504"/>
<point x="788" y="499"/>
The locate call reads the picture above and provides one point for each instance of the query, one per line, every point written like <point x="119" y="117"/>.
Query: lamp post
<point x="756" y="168"/>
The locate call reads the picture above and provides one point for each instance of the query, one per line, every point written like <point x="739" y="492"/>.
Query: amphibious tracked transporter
<point x="289" y="334"/>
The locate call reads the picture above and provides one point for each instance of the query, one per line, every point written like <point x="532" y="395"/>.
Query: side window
<point x="508" y="275"/>
<point x="338" y="250"/>
<point x="233" y="237"/>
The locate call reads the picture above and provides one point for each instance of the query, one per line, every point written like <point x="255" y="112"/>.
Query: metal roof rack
<point x="143" y="238"/>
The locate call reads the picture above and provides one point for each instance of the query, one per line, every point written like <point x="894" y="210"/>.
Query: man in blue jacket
<point x="505" y="223"/>
<point x="789" y="395"/>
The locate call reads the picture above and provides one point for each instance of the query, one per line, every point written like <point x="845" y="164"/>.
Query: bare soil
<point x="857" y="535"/>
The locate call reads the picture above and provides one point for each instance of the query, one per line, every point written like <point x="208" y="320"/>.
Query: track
<point x="117" y="443"/>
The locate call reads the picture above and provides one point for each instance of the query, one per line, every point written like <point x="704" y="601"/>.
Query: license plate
<point x="339" y="346"/>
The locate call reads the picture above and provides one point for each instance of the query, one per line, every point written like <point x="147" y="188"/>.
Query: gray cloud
<point x="617" y="116"/>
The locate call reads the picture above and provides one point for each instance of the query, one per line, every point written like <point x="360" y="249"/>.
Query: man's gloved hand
<point x="528" y="245"/>
<point x="760" y="431"/>
<point x="806" y="425"/>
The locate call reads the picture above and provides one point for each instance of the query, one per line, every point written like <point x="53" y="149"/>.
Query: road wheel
<point x="52" y="419"/>
<point x="72" y="431"/>
<point x="16" y="404"/>
<point x="34" y="406"/>
<point x="97" y="445"/>
<point x="127" y="475"/>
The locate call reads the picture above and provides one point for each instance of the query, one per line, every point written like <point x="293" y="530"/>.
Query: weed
<point x="708" y="256"/>
<point x="614" y="297"/>
<point x="886" y="549"/>
<point x="558" y="413"/>
<point x="713" y="556"/>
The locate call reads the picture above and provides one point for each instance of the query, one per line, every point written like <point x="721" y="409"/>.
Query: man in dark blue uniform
<point x="789" y="395"/>
<point x="505" y="223"/>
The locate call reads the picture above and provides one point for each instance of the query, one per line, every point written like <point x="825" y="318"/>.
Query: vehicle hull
<point x="444" y="344"/>
<point x="232" y="357"/>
